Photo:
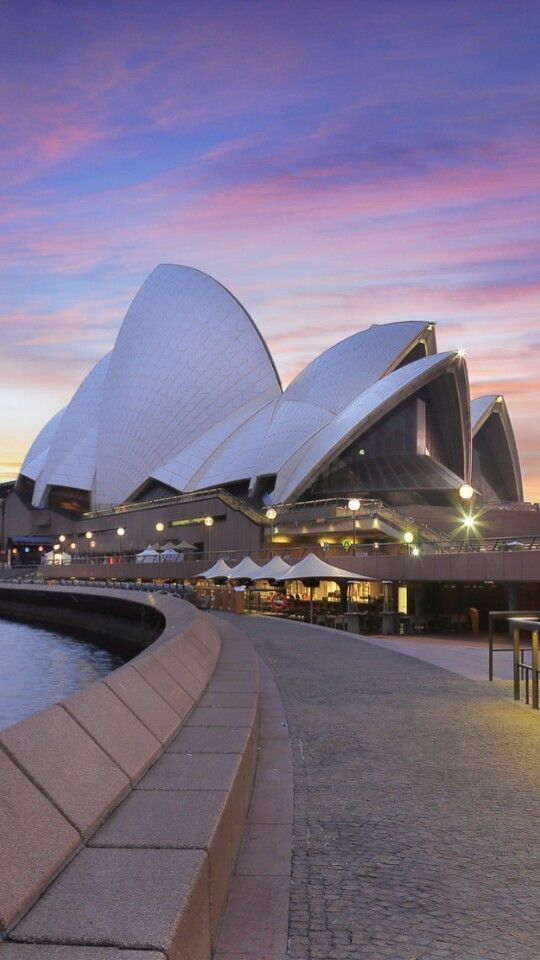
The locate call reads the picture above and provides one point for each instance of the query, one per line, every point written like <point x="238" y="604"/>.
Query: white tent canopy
<point x="148" y="555"/>
<point x="185" y="545"/>
<point x="275" y="569"/>
<point x="220" y="571"/>
<point x="170" y="554"/>
<point x="313" y="568"/>
<point x="247" y="569"/>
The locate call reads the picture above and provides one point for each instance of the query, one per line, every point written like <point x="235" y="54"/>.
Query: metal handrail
<point x="236" y="503"/>
<point x="520" y="666"/>
<point x="497" y="615"/>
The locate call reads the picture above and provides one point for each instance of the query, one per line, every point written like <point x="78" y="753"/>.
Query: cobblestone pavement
<point x="416" y="804"/>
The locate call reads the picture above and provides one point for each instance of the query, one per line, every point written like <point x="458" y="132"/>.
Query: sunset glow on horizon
<point x="333" y="164"/>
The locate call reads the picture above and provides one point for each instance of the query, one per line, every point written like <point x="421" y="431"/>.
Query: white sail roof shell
<point x="481" y="407"/>
<point x="304" y="463"/>
<point x="71" y="457"/>
<point x="186" y="354"/>
<point x="332" y="381"/>
<point x="37" y="454"/>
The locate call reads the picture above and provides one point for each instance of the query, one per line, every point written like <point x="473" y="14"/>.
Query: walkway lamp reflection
<point x="271" y="514"/>
<point x="354" y="506"/>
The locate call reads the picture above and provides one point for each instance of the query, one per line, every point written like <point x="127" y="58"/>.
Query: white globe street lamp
<point x="209" y="522"/>
<point x="271" y="514"/>
<point x="354" y="506"/>
<point x="466" y="492"/>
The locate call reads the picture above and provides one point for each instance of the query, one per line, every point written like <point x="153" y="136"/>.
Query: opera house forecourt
<point x="183" y="434"/>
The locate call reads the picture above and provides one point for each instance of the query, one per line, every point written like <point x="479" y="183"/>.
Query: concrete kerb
<point x="138" y="716"/>
<point x="256" y="920"/>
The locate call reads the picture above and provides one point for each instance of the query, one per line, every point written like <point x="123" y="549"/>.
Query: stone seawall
<point x="169" y="743"/>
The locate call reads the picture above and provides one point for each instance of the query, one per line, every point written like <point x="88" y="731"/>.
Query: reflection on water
<point x="39" y="667"/>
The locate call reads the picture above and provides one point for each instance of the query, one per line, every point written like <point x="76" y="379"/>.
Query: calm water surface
<point x="38" y="667"/>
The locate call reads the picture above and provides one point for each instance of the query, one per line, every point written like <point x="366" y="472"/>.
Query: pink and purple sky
<point x="334" y="164"/>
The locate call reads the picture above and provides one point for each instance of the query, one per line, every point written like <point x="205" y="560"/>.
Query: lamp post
<point x="209" y="522"/>
<point x="159" y="529"/>
<point x="120" y="532"/>
<point x="408" y="537"/>
<point x="62" y="539"/>
<point x="354" y="506"/>
<point x="271" y="514"/>
<point x="466" y="492"/>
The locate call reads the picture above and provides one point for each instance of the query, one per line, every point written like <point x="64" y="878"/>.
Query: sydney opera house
<point x="186" y="418"/>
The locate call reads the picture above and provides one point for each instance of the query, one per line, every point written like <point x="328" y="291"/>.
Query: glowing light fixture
<point x="466" y="491"/>
<point x="73" y="546"/>
<point x="209" y="521"/>
<point x="408" y="536"/>
<point x="160" y="526"/>
<point x="461" y="353"/>
<point x="120" y="531"/>
<point x="415" y="551"/>
<point x="56" y="546"/>
<point x="89" y="534"/>
<point x="354" y="506"/>
<point x="469" y="521"/>
<point x="62" y="538"/>
<point x="92" y="543"/>
<point x="271" y="513"/>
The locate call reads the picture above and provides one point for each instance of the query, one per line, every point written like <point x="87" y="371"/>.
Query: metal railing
<point x="496" y="616"/>
<point x="293" y="553"/>
<point x="523" y="670"/>
<point x="212" y="493"/>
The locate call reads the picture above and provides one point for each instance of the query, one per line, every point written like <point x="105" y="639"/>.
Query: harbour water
<point x="39" y="667"/>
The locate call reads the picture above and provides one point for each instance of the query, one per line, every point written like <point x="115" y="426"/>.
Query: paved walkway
<point x="464" y="655"/>
<point x="416" y="804"/>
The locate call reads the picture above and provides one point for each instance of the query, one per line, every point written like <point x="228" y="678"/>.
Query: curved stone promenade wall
<point x="122" y="808"/>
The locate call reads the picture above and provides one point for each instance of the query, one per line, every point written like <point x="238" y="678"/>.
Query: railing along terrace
<point x="236" y="503"/>
<point x="334" y="507"/>
<point x="293" y="553"/>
